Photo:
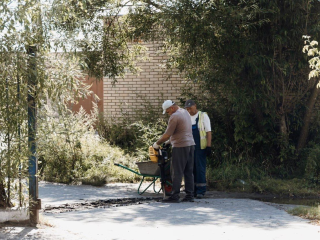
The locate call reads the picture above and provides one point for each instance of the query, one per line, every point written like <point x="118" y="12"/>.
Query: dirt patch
<point x="99" y="204"/>
<point x="274" y="200"/>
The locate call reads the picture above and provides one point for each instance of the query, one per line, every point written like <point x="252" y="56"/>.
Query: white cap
<point x="166" y="105"/>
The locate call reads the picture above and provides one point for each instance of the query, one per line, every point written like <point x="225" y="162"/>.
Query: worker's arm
<point x="208" y="148"/>
<point x="170" y="129"/>
<point x="208" y="139"/>
<point x="164" y="138"/>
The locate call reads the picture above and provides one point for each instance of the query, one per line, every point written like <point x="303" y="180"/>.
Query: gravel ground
<point x="116" y="211"/>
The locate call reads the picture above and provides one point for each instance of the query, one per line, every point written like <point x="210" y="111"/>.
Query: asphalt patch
<point x="108" y="203"/>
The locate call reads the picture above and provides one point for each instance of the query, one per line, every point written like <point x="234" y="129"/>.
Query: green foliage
<point x="53" y="87"/>
<point x="133" y="132"/>
<point x="13" y="128"/>
<point x="230" y="175"/>
<point x="94" y="30"/>
<point x="99" y="161"/>
<point x="60" y="145"/>
<point x="84" y="40"/>
<point x="312" y="51"/>
<point x="147" y="134"/>
<point x="285" y="188"/>
<point x="50" y="26"/>
<point x="246" y="57"/>
<point x="252" y="178"/>
<point x="312" y="167"/>
<point x="308" y="164"/>
<point x="71" y="152"/>
<point x="116" y="132"/>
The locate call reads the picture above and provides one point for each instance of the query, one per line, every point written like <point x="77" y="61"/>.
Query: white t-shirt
<point x="205" y="120"/>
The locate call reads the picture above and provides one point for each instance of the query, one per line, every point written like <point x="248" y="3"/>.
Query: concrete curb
<point x="14" y="215"/>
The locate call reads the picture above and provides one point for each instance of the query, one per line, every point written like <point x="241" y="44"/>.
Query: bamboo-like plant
<point x="71" y="39"/>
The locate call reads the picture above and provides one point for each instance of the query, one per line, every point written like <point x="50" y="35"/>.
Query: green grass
<point x="312" y="213"/>
<point x="252" y="180"/>
<point x="285" y="187"/>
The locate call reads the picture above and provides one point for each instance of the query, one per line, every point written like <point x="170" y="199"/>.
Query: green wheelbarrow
<point x="150" y="170"/>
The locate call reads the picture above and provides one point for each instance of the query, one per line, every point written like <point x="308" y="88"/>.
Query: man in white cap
<point x="179" y="131"/>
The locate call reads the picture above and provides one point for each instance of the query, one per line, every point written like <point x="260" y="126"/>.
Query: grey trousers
<point x="182" y="166"/>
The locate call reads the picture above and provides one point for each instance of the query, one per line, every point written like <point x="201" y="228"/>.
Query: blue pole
<point x="34" y="202"/>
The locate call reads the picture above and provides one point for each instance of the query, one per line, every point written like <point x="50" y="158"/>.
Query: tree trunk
<point x="307" y="118"/>
<point x="3" y="198"/>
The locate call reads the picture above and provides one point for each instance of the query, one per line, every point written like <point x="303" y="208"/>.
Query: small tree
<point x="312" y="51"/>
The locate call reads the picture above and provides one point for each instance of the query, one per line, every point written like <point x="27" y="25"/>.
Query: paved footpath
<point x="209" y="218"/>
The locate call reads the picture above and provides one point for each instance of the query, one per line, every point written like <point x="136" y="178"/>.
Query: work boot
<point x="168" y="194"/>
<point x="199" y="196"/>
<point x="188" y="199"/>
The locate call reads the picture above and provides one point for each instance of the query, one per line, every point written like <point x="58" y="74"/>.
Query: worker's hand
<point x="167" y="142"/>
<point x="208" y="151"/>
<point x="156" y="146"/>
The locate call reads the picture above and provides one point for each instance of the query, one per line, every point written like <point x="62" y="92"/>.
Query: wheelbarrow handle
<point x="129" y="169"/>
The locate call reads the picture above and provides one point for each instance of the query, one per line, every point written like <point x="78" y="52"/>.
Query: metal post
<point x="8" y="145"/>
<point x="34" y="202"/>
<point x="19" y="139"/>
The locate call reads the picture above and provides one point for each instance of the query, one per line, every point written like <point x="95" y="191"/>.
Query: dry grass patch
<point x="311" y="213"/>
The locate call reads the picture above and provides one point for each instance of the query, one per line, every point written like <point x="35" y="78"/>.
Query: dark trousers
<point x="182" y="166"/>
<point x="199" y="171"/>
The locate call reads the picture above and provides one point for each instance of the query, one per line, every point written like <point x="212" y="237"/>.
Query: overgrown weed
<point x="81" y="148"/>
<point x="312" y="213"/>
<point x="249" y="178"/>
<point x="71" y="152"/>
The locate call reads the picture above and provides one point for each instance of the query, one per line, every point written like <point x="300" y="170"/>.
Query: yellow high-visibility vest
<point x="202" y="132"/>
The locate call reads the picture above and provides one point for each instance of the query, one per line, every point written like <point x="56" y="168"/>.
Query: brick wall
<point x="150" y="86"/>
<point x="87" y="103"/>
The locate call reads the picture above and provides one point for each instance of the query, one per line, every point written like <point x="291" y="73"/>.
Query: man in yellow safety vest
<point x="201" y="131"/>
